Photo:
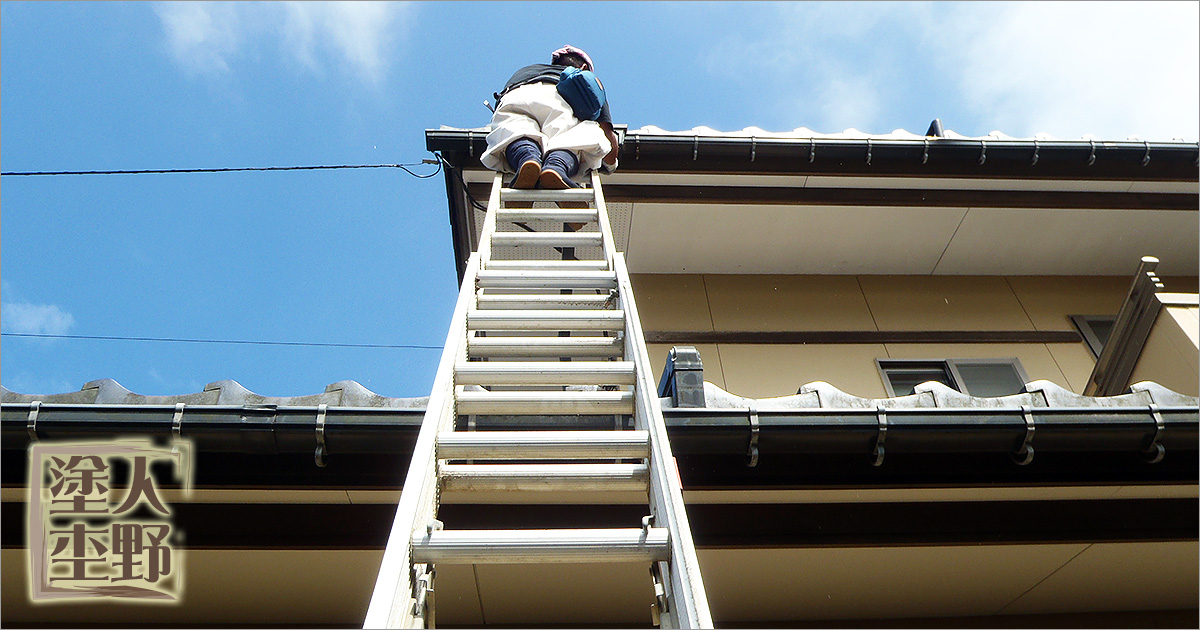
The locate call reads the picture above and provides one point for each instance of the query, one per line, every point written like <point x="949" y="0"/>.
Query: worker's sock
<point x="525" y="157"/>
<point x="558" y="168"/>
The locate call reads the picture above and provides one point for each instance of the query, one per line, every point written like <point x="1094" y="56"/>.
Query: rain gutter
<point x="693" y="431"/>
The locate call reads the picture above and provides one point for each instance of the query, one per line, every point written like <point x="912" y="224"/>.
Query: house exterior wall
<point x="768" y="303"/>
<point x="1170" y="356"/>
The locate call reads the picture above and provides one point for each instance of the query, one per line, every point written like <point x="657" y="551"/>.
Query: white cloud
<point x="202" y="35"/>
<point x="848" y="102"/>
<point x="1112" y="69"/>
<point x="24" y="382"/>
<point x="41" y="319"/>
<point x="829" y="63"/>
<point x="212" y="37"/>
<point x="1067" y="69"/>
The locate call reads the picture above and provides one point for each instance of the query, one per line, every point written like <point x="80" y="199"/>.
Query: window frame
<point x="950" y="366"/>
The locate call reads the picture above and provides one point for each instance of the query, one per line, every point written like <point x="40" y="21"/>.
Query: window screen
<point x="976" y="377"/>
<point x="991" y="378"/>
<point x="903" y="376"/>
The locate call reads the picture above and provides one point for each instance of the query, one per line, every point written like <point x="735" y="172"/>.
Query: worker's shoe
<point x="525" y="157"/>
<point x="557" y="170"/>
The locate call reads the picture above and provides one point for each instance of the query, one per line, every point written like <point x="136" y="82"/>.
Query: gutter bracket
<point x="321" y="456"/>
<point x="1092" y="157"/>
<point x="422" y="587"/>
<point x="753" y="143"/>
<point x="877" y="450"/>
<point x="868" y="151"/>
<point x="695" y="147"/>
<point x="1146" y="158"/>
<point x="982" y="152"/>
<point x="1155" y="452"/>
<point x="1035" y="153"/>
<point x="812" y="150"/>
<point x="177" y="427"/>
<point x="31" y="423"/>
<point x="752" y="450"/>
<point x="660" y="595"/>
<point x="1024" y="455"/>
<point x="925" y="155"/>
<point x="471" y="139"/>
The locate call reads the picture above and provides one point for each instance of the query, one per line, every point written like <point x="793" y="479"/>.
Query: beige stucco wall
<point x="1170" y="356"/>
<point x="712" y="302"/>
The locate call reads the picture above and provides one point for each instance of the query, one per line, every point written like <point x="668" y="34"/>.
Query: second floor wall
<point x="717" y="303"/>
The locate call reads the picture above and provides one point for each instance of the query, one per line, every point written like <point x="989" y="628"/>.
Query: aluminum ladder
<point x="542" y="338"/>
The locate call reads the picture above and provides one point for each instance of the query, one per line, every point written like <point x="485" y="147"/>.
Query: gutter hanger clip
<point x="177" y="427"/>
<point x="31" y="422"/>
<point x="877" y="451"/>
<point x="1155" y="452"/>
<point x="321" y="456"/>
<point x="752" y="450"/>
<point x="1024" y="454"/>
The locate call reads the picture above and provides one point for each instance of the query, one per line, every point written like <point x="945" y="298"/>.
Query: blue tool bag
<point x="583" y="92"/>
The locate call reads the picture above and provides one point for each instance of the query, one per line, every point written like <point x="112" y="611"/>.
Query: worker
<point x="536" y="135"/>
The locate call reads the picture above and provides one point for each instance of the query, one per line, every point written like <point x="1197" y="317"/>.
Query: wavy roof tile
<point x="227" y="392"/>
<point x="813" y="395"/>
<point x="803" y="133"/>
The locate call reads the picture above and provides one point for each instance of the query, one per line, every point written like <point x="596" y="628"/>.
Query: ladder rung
<point x="544" y="373"/>
<point x="550" y="265"/>
<point x="546" y="320"/>
<point x="544" y="477"/>
<point x="542" y="444"/>
<point x="544" y="402"/>
<point x="569" y="194"/>
<point x="565" y="215"/>
<point x="575" y="347"/>
<point x="541" y="279"/>
<point x="535" y="546"/>
<point x="542" y="302"/>
<point x="548" y="239"/>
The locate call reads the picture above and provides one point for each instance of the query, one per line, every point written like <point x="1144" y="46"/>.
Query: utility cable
<point x="403" y="167"/>
<point x="466" y="190"/>
<point x="227" y="341"/>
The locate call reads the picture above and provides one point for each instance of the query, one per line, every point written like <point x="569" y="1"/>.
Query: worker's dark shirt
<point x="544" y="73"/>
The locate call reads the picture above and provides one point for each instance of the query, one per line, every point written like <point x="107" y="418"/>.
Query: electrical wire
<point x="439" y="161"/>
<point x="227" y="341"/>
<point x="158" y="171"/>
<point x="466" y="190"/>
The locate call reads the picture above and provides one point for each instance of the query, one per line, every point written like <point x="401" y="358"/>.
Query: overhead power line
<point x="404" y="167"/>
<point x="228" y="341"/>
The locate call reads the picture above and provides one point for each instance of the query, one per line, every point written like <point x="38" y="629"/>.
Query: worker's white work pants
<point x="538" y="112"/>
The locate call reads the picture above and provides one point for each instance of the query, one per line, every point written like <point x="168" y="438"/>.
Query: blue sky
<point x="364" y="256"/>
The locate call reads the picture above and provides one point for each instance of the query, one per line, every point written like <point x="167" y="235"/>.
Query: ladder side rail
<point x="489" y="224"/>
<point x="688" y="600"/>
<point x="607" y="242"/>
<point x="391" y="600"/>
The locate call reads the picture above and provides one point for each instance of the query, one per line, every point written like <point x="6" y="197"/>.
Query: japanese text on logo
<point x="87" y="539"/>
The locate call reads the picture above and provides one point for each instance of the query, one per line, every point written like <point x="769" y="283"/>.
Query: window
<point x="975" y="377"/>
<point x="1095" y="330"/>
